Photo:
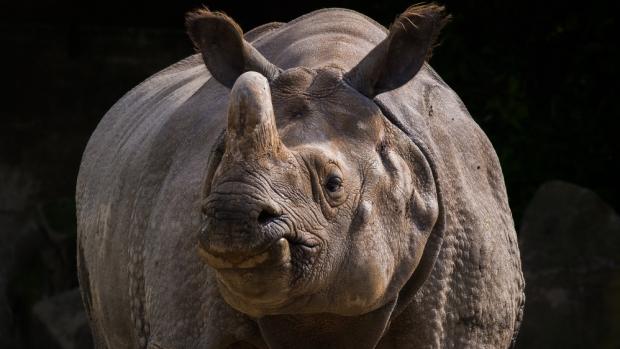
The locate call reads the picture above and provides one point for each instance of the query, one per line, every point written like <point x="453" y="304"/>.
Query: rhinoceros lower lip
<point x="275" y="253"/>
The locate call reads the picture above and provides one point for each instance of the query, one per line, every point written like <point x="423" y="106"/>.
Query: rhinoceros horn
<point x="251" y="131"/>
<point x="225" y="53"/>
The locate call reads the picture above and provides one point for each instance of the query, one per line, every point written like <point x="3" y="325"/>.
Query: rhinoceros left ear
<point x="225" y="53"/>
<point x="400" y="56"/>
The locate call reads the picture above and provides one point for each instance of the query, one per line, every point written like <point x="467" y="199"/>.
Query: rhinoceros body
<point x="142" y="185"/>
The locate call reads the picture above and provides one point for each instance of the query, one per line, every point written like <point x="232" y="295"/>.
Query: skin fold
<point x="313" y="184"/>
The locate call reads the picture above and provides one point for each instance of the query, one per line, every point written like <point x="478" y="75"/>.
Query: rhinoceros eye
<point x="333" y="184"/>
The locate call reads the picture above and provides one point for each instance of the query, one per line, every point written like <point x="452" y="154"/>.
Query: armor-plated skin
<point x="210" y="217"/>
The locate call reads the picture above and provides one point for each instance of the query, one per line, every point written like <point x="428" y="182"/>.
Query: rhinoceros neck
<point x="326" y="330"/>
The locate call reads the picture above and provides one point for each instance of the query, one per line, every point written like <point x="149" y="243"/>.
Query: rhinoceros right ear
<point x="399" y="57"/>
<point x="225" y="53"/>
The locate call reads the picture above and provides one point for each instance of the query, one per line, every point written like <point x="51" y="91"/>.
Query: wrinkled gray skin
<point x="337" y="196"/>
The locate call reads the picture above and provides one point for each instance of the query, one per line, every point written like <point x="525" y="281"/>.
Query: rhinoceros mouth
<point x="275" y="253"/>
<point x="292" y="249"/>
<point x="265" y="278"/>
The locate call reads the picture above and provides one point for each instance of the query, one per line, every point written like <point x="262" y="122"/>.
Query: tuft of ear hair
<point x="399" y="57"/>
<point x="194" y="18"/>
<point x="425" y="19"/>
<point x="224" y="50"/>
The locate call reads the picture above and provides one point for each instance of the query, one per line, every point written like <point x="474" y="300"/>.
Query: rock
<point x="61" y="322"/>
<point x="6" y="318"/>
<point x="16" y="230"/>
<point x="37" y="251"/>
<point x="570" y="246"/>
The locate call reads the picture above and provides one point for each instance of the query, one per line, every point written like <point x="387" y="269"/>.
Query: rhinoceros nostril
<point x="267" y="215"/>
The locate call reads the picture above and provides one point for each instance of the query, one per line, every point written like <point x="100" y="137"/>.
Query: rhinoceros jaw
<point x="276" y="254"/>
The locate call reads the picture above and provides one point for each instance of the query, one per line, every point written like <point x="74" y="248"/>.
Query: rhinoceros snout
<point x="238" y="232"/>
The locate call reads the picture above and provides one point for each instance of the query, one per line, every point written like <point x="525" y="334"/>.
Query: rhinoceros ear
<point x="400" y="56"/>
<point x="225" y="53"/>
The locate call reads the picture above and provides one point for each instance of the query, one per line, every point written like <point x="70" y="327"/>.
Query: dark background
<point x="539" y="78"/>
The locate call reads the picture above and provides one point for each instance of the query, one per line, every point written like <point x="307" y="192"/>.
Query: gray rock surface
<point x="16" y="230"/>
<point x="60" y="322"/>
<point x="570" y="245"/>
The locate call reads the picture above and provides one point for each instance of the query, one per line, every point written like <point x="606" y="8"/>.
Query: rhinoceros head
<point x="318" y="203"/>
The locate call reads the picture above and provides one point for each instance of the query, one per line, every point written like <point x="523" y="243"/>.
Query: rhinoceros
<point x="310" y="184"/>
